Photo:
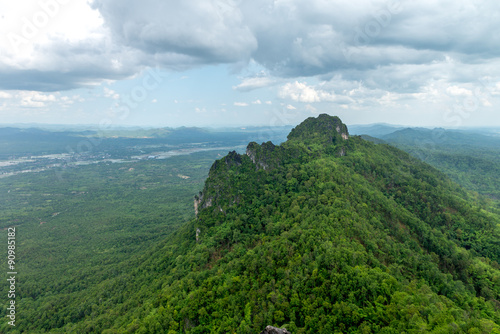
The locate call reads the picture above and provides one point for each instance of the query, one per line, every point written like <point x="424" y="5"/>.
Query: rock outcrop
<point x="313" y="137"/>
<point x="274" y="330"/>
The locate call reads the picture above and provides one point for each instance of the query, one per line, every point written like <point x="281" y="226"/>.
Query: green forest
<point x="469" y="158"/>
<point x="324" y="233"/>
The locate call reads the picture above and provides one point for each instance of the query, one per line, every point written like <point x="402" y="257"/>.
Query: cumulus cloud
<point x="69" y="48"/>
<point x="39" y="100"/>
<point x="241" y="104"/>
<point x="36" y="99"/>
<point x="396" y="45"/>
<point x="208" y="31"/>
<point x="5" y="95"/>
<point x="458" y="91"/>
<point x="304" y="38"/>
<point x="301" y="92"/>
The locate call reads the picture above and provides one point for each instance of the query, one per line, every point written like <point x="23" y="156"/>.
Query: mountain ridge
<point x="319" y="234"/>
<point x="313" y="180"/>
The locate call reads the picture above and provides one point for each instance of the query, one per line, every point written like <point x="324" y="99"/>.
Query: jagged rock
<point x="199" y="203"/>
<point x="262" y="155"/>
<point x="232" y="159"/>
<point x="274" y="330"/>
<point x="324" y="134"/>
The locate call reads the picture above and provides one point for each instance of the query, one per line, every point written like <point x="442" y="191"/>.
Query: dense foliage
<point x="470" y="159"/>
<point x="80" y="227"/>
<point x="321" y="234"/>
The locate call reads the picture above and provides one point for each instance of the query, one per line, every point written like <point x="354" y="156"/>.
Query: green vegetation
<point x="321" y="234"/>
<point x="470" y="159"/>
<point x="82" y="226"/>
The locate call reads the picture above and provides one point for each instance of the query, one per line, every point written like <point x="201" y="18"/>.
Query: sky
<point x="169" y="63"/>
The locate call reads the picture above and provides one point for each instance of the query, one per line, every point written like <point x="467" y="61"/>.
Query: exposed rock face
<point x="252" y="152"/>
<point x="198" y="200"/>
<point x="232" y="159"/>
<point x="259" y="154"/>
<point x="314" y="136"/>
<point x="198" y="235"/>
<point x="342" y="152"/>
<point x="274" y="330"/>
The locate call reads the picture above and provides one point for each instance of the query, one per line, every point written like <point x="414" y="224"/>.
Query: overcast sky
<point x="250" y="62"/>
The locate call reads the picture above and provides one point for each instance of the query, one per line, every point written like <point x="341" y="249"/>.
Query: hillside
<point x="470" y="159"/>
<point x="325" y="233"/>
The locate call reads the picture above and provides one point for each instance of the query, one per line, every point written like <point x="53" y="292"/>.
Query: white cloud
<point x="82" y="44"/>
<point x="249" y="84"/>
<point x="301" y="92"/>
<point x="495" y="90"/>
<point x="154" y="100"/>
<point x="111" y="93"/>
<point x="5" y="95"/>
<point x="38" y="100"/>
<point x="202" y="31"/>
<point x="35" y="99"/>
<point x="311" y="109"/>
<point x="424" y="51"/>
<point x="458" y="91"/>
<point x="486" y="103"/>
<point x="290" y="107"/>
<point x="257" y="102"/>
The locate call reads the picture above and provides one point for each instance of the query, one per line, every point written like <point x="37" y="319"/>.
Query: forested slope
<point x="470" y="159"/>
<point x="324" y="233"/>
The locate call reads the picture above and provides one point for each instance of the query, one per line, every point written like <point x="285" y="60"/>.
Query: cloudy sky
<point x="250" y="62"/>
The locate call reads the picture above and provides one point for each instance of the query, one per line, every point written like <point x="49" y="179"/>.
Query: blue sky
<point x="261" y="62"/>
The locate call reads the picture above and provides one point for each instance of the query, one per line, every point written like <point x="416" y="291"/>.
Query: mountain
<point x="26" y="141"/>
<point x="441" y="137"/>
<point x="329" y="233"/>
<point x="324" y="233"/>
<point x="374" y="130"/>
<point x="469" y="158"/>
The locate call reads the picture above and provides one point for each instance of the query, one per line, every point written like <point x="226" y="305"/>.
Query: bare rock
<point x="274" y="330"/>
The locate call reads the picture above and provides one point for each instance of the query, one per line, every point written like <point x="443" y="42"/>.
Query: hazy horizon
<point x="229" y="63"/>
<point x="48" y="126"/>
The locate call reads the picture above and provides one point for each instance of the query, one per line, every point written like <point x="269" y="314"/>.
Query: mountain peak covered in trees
<point x="323" y="129"/>
<point x="323" y="233"/>
<point x="330" y="233"/>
